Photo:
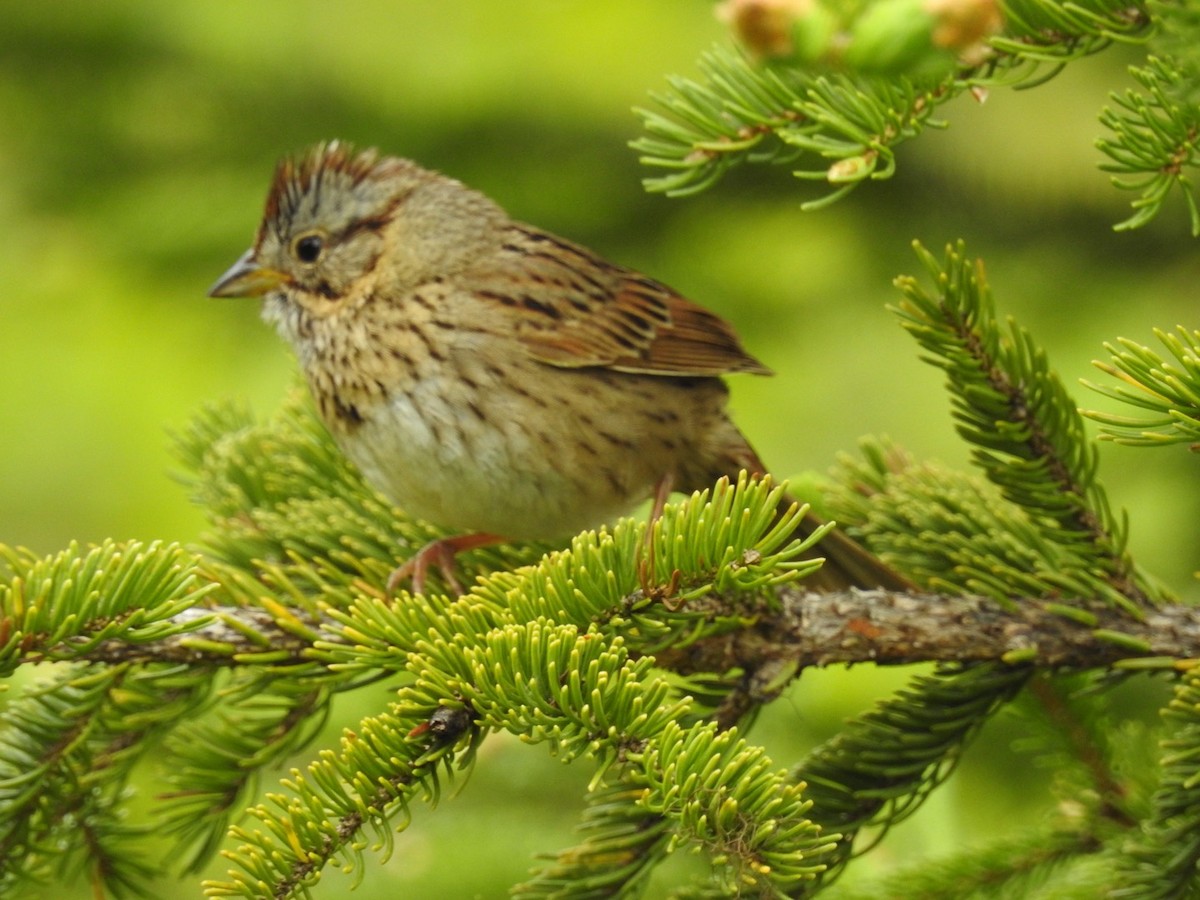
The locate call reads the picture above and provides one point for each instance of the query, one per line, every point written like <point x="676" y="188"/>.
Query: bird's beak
<point x="246" y="278"/>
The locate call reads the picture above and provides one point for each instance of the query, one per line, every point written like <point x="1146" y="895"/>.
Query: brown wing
<point x="578" y="310"/>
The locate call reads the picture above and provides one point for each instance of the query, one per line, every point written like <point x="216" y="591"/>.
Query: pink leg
<point x="439" y="553"/>
<point x="662" y="493"/>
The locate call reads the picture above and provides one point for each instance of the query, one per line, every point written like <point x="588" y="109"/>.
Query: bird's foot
<point x="439" y="554"/>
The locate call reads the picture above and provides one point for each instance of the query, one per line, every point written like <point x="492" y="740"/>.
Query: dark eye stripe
<point x="373" y="224"/>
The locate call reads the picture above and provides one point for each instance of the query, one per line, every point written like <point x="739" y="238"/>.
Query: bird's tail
<point x="847" y="563"/>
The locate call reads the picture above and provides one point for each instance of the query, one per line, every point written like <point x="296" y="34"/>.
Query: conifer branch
<point x="1163" y="859"/>
<point x="1069" y="711"/>
<point x="1168" y="391"/>
<point x="849" y="83"/>
<point x="570" y="649"/>
<point x="69" y="748"/>
<point x="644" y="658"/>
<point x="835" y="88"/>
<point x="890" y="628"/>
<point x="803" y="629"/>
<point x="885" y="763"/>
<point x="1026" y="431"/>
<point x="1011" y="867"/>
<point x="621" y="841"/>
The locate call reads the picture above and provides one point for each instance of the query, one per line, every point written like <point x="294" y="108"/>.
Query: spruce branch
<point x="521" y="657"/>
<point x="889" y="628"/>
<point x="845" y="84"/>
<point x="1168" y="391"/>
<point x="1013" y="867"/>
<point x="803" y="629"/>
<point x="69" y="748"/>
<point x="1073" y="729"/>
<point x="738" y="808"/>
<point x="74" y="601"/>
<point x="621" y="842"/>
<point x="322" y="817"/>
<point x="835" y="88"/>
<point x="1026" y="432"/>
<point x="1163" y="860"/>
<point x="843" y="128"/>
<point x="1029" y="441"/>
<point x="641" y="650"/>
<point x="218" y="755"/>
<point x="1023" y="570"/>
<point x="885" y="763"/>
<point x="1155" y="127"/>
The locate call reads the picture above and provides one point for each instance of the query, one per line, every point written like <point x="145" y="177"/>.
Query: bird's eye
<point x="307" y="248"/>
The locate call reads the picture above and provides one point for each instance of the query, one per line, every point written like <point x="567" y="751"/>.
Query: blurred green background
<point x="138" y="142"/>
